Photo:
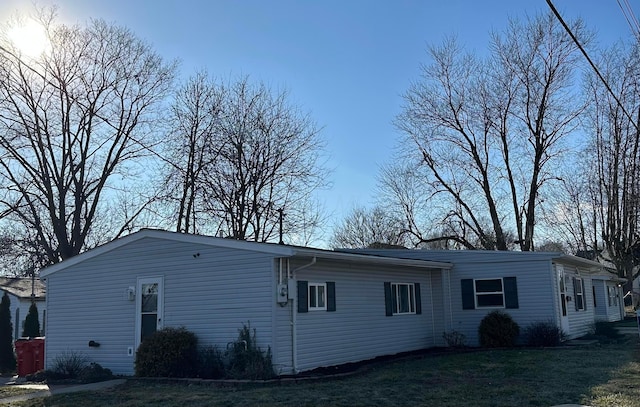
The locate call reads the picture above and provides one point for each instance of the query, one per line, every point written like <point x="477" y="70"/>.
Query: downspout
<point x="294" y="315"/>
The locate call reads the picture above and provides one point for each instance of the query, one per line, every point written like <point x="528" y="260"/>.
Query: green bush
<point x="543" y="334"/>
<point x="605" y="329"/>
<point x="170" y="352"/>
<point x="210" y="363"/>
<point x="246" y="360"/>
<point x="454" y="339"/>
<point x="7" y="357"/>
<point x="31" y="322"/>
<point x="95" y="373"/>
<point x="498" y="330"/>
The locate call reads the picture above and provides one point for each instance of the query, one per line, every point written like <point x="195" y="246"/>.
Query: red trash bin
<point x="24" y="357"/>
<point x="30" y="355"/>
<point x="37" y="346"/>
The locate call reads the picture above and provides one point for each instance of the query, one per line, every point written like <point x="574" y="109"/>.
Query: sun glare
<point x="29" y="38"/>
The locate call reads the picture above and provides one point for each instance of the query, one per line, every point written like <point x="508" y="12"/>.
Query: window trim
<point x="395" y="296"/>
<point x="501" y="292"/>
<point x="315" y="286"/>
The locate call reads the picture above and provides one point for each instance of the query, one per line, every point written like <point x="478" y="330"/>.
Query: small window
<point x="489" y="293"/>
<point x="579" y="294"/>
<point x="613" y="297"/>
<point x="404" y="298"/>
<point x="317" y="297"/>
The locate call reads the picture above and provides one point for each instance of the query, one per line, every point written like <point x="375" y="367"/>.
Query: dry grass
<point x="599" y="376"/>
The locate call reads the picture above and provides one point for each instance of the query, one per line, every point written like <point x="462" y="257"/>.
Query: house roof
<point x="21" y="287"/>
<point x="276" y="250"/>
<point x="485" y="256"/>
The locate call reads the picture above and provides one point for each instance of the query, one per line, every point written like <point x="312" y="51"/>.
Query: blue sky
<point x="345" y="62"/>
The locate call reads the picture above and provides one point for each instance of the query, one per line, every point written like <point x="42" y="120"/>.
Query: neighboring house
<point x="569" y="291"/>
<point x="608" y="297"/>
<point x="312" y="307"/>
<point x="19" y="291"/>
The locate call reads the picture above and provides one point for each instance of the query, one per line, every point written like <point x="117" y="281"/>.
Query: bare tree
<point x="615" y="164"/>
<point x="248" y="156"/>
<point x="75" y="125"/>
<point x="190" y="149"/>
<point x="486" y="132"/>
<point x="364" y="227"/>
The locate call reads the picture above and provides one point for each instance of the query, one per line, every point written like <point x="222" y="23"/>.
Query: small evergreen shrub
<point x="543" y="333"/>
<point x="605" y="329"/>
<point x="169" y="352"/>
<point x="69" y="365"/>
<point x="7" y="357"/>
<point x="31" y="322"/>
<point x="454" y="339"/>
<point x="246" y="360"/>
<point x="210" y="363"/>
<point x="498" y="330"/>
<point x="95" y="373"/>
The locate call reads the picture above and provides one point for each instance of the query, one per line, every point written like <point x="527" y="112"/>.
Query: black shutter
<point x="466" y="286"/>
<point x="388" y="299"/>
<point x="331" y="296"/>
<point x="303" y="296"/>
<point x="418" y="299"/>
<point x="510" y="292"/>
<point x="584" y="296"/>
<point x="593" y="291"/>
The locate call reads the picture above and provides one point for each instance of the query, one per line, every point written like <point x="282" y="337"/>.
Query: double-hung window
<point x="578" y="293"/>
<point x="489" y="293"/>
<point x="314" y="296"/>
<point x="317" y="297"/>
<point x="402" y="298"/>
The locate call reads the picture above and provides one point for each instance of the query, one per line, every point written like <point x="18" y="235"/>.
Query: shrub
<point x="95" y="373"/>
<point x="605" y="329"/>
<point x="69" y="365"/>
<point x="246" y="360"/>
<point x="544" y="334"/>
<point x="498" y="330"/>
<point x="169" y="352"/>
<point x="210" y="363"/>
<point x="7" y="357"/>
<point x="31" y="322"/>
<point x="454" y="339"/>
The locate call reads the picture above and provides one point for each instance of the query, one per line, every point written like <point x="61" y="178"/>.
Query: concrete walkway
<point x="42" y="390"/>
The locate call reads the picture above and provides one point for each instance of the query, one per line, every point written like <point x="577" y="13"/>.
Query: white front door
<point x="562" y="290"/>
<point x="149" y="307"/>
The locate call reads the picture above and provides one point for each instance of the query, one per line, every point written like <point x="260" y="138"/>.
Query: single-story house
<point x="312" y="307"/>
<point x="569" y="291"/>
<point x="20" y="292"/>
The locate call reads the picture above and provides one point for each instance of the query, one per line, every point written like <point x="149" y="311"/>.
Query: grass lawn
<point x="10" y="391"/>
<point x="598" y="376"/>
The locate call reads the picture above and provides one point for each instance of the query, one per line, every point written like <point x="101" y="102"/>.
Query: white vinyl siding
<point x="212" y="295"/>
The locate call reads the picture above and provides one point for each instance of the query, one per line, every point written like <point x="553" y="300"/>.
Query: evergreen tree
<point x="31" y="322"/>
<point x="7" y="357"/>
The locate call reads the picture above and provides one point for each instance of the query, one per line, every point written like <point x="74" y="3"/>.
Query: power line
<point x="627" y="11"/>
<point x="595" y="68"/>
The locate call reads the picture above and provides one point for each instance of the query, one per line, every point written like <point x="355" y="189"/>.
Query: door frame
<point x="148" y="280"/>
<point x="563" y="311"/>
